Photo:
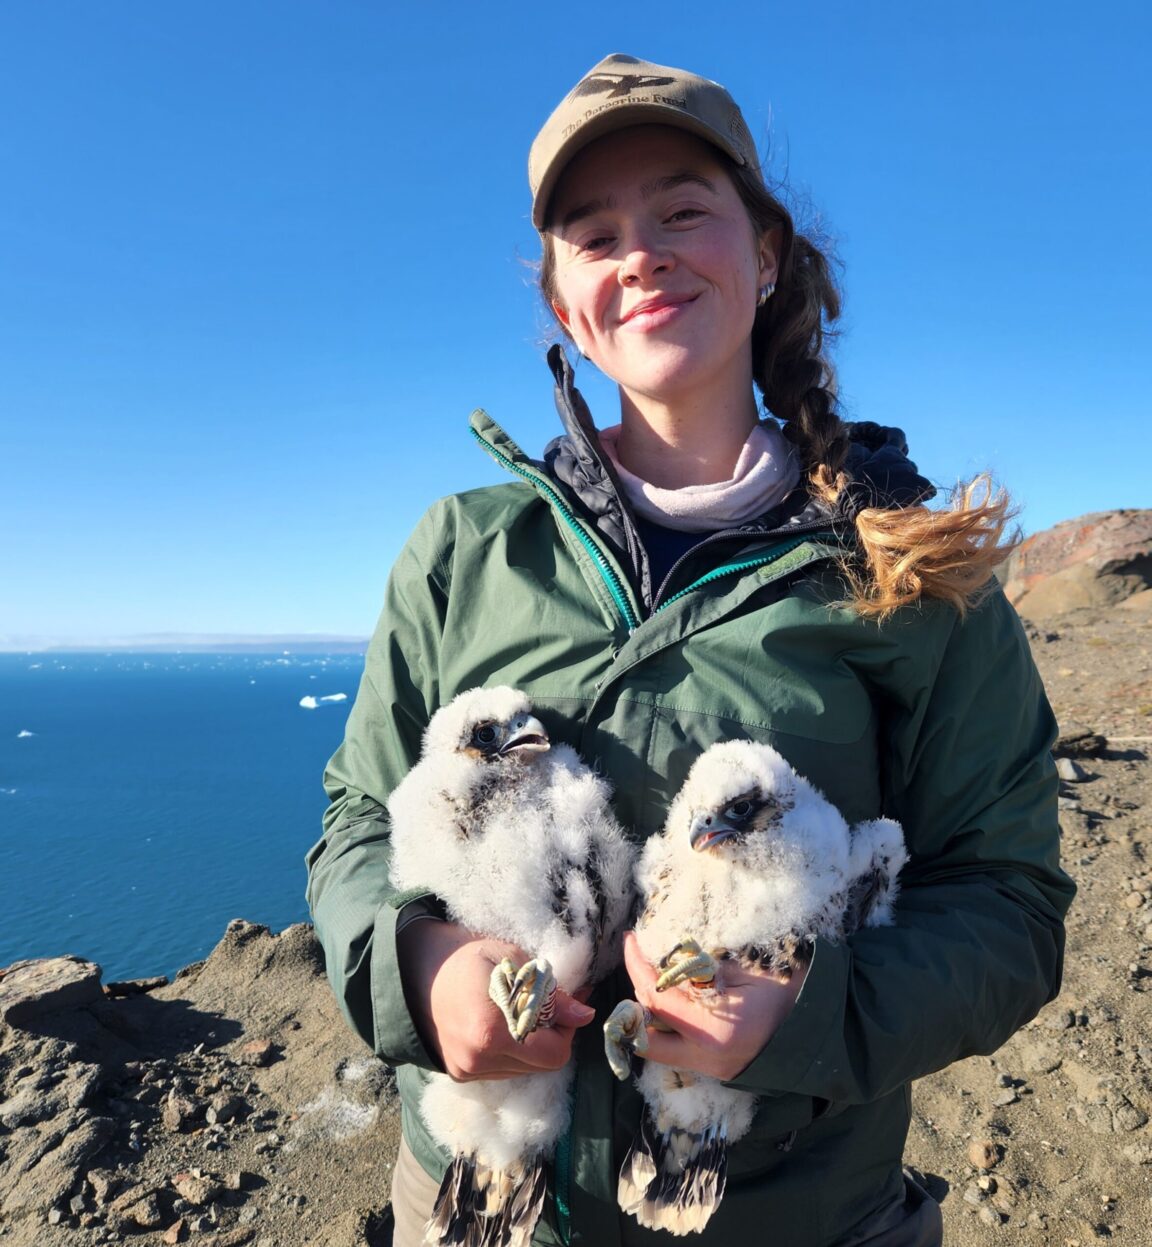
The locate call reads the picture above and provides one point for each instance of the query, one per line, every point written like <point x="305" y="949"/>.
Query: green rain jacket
<point x="935" y="721"/>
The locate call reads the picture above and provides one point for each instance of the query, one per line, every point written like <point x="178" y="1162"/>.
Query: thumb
<point x="643" y="976"/>
<point x="571" y="1012"/>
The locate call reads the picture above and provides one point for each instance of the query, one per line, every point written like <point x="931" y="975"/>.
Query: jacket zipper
<point x="769" y="556"/>
<point x="607" y="572"/>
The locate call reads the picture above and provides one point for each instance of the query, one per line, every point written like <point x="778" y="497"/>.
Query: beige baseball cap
<point x="623" y="91"/>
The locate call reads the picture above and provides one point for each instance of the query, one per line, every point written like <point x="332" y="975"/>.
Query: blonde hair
<point x="912" y="552"/>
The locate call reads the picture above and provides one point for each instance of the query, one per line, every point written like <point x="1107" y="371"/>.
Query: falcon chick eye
<point x="485" y="734"/>
<point x="739" y="810"/>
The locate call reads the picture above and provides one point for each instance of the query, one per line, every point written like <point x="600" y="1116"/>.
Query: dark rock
<point x="1077" y="741"/>
<point x="30" y="989"/>
<point x="135" y="987"/>
<point x="190" y="971"/>
<point x="224" y="1108"/>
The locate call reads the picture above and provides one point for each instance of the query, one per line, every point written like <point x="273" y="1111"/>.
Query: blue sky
<point x="259" y="260"/>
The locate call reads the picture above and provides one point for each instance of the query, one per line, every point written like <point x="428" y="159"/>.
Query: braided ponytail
<point x="903" y="553"/>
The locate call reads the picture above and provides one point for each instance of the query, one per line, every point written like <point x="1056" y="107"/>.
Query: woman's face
<point x="657" y="264"/>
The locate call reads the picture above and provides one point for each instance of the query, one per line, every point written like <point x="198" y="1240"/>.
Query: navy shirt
<point x="664" y="547"/>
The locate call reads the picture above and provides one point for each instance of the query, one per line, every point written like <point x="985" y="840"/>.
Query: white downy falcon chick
<point x="753" y="864"/>
<point x="517" y="837"/>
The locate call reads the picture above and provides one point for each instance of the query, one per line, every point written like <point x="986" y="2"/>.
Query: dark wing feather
<point x="863" y="894"/>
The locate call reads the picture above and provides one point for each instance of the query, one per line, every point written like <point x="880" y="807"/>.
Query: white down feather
<point x="793" y="881"/>
<point x="497" y="870"/>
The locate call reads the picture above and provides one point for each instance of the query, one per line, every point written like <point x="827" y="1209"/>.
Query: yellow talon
<point x="625" y="1032"/>
<point x="687" y="962"/>
<point x="526" y="996"/>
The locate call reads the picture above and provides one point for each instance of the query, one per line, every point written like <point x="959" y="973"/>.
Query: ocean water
<point x="146" y="800"/>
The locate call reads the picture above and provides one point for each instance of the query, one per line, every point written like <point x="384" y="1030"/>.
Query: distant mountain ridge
<point x="188" y="643"/>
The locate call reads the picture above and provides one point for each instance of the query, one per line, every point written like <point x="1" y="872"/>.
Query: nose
<point x="645" y="258"/>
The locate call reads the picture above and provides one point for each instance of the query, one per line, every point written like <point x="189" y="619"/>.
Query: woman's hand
<point x="445" y="970"/>
<point x="717" y="1035"/>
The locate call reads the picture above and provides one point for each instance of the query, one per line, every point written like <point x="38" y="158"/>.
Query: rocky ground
<point x="1048" y="1141"/>
<point x="232" y="1106"/>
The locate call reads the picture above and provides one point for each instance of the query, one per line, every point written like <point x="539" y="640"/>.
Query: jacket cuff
<point x="396" y="1036"/>
<point x="798" y="1045"/>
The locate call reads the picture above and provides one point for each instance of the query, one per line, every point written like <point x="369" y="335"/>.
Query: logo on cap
<point x="618" y="85"/>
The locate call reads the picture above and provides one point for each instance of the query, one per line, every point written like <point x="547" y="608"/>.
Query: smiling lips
<point x="653" y="313"/>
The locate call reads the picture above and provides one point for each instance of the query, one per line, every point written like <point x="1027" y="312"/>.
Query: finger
<point x="669" y="1048"/>
<point x="503" y="1057"/>
<point x="546" y="1049"/>
<point x="571" y="1012"/>
<point x="643" y="976"/>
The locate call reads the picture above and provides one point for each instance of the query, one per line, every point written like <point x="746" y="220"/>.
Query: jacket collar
<point x="877" y="465"/>
<point x="576" y="462"/>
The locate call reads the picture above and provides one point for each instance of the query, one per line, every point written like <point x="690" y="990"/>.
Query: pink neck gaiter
<point x="764" y="475"/>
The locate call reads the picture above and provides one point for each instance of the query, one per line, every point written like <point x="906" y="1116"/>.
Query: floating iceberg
<point x="25" y="732"/>
<point x="314" y="703"/>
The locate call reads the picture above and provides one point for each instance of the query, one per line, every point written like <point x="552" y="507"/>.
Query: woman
<point x="693" y="574"/>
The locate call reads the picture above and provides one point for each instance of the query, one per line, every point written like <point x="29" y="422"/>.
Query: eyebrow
<point x="671" y="182"/>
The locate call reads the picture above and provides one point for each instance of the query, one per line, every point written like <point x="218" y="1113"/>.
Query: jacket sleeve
<point x="354" y="906"/>
<point x="977" y="945"/>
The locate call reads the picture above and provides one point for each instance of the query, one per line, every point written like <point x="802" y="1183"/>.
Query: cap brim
<point x="622" y="119"/>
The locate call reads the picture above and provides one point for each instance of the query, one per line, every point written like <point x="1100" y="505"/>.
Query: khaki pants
<point x="413" y="1194"/>
<point x="914" y="1223"/>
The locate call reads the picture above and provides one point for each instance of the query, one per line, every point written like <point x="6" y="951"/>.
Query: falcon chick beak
<point x="710" y="829"/>
<point x="526" y="735"/>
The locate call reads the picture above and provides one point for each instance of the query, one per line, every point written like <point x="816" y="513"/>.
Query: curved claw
<point x="526" y="996"/>
<point x="625" y="1032"/>
<point x="687" y="962"/>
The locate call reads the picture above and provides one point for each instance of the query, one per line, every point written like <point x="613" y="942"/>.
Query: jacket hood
<point x="877" y="465"/>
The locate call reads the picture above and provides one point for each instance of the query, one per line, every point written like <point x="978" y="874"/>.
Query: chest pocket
<point x="789" y="686"/>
